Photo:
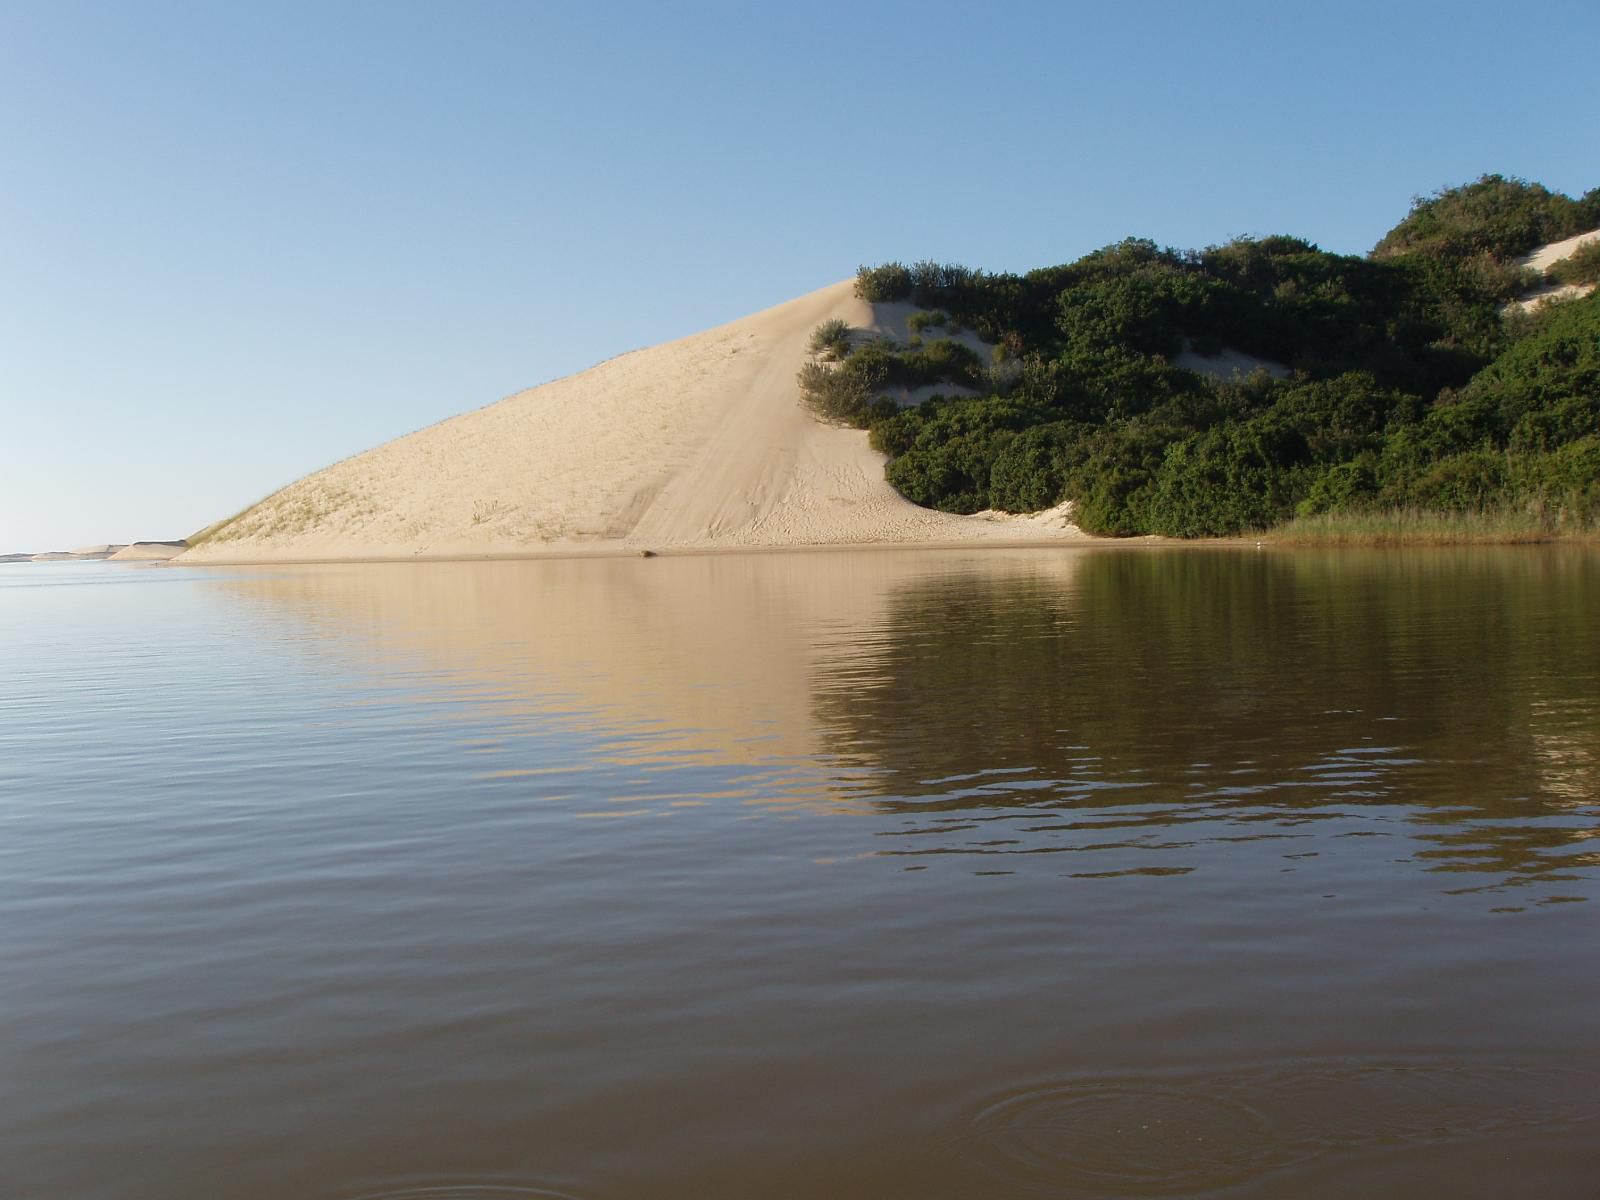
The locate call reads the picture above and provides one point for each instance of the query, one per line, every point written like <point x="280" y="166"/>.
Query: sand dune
<point x="150" y="551"/>
<point x="95" y="553"/>
<point x="697" y="444"/>
<point x="1548" y="256"/>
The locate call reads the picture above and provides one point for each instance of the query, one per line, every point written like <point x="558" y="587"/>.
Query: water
<point x="1049" y="873"/>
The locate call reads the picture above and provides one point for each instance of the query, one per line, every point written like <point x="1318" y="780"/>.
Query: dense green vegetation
<point x="1582" y="266"/>
<point x="1400" y="381"/>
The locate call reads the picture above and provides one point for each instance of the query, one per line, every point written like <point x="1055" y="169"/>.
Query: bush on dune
<point x="1504" y="217"/>
<point x="1414" y="387"/>
<point x="1581" y="266"/>
<point x="890" y="282"/>
<point x="831" y="339"/>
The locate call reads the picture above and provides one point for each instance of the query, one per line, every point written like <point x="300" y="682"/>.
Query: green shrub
<point x="1461" y="483"/>
<point x="891" y="281"/>
<point x="1504" y="217"/>
<point x="833" y="393"/>
<point x="943" y="361"/>
<point x="1412" y="390"/>
<point x="1581" y="266"/>
<point x="1347" y="486"/>
<point x="1029" y="471"/>
<point x="831" y="339"/>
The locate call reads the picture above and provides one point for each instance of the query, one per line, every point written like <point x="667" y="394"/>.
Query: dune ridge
<point x="696" y="444"/>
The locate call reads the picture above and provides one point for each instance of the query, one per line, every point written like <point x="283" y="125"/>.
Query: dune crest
<point x="696" y="444"/>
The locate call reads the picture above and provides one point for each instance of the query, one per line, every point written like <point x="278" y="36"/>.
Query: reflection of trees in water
<point x="1158" y="700"/>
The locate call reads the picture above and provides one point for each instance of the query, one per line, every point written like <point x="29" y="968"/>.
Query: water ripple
<point x="470" y="1191"/>
<point x="1141" y="1136"/>
<point x="1127" y="1135"/>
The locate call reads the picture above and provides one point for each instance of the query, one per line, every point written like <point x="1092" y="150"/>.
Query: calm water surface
<point x="1053" y="873"/>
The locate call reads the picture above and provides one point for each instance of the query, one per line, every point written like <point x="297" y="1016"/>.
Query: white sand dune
<point x="150" y="551"/>
<point x="93" y="553"/>
<point x="1549" y="255"/>
<point x="697" y="444"/>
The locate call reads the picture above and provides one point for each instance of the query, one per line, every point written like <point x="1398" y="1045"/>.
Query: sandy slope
<point x="1546" y="257"/>
<point x="695" y="444"/>
<point x="150" y="551"/>
<point x="94" y="553"/>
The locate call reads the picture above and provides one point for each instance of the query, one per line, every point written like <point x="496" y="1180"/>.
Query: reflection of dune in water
<point x="694" y="661"/>
<point x="1185" y="699"/>
<point x="1092" y="714"/>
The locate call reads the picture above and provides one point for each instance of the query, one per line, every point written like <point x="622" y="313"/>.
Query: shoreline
<point x="1264" y="541"/>
<point x="577" y="553"/>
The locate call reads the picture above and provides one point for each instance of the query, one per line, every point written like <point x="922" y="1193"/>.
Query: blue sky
<point x="240" y="241"/>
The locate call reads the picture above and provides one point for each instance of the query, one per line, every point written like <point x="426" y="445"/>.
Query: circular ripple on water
<point x="1125" y="1136"/>
<point x="469" y="1191"/>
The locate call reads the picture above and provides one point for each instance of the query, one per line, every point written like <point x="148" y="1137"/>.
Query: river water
<point x="1086" y="872"/>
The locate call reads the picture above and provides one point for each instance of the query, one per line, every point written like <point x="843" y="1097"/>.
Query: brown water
<point x="1055" y="873"/>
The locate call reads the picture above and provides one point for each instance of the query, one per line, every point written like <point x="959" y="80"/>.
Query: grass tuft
<point x="1426" y="527"/>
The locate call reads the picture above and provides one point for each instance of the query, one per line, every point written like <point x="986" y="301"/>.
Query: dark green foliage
<point x="1545" y="389"/>
<point x="1029" y="471"/>
<point x="1460" y="483"/>
<point x="1412" y="385"/>
<point x="833" y="394"/>
<point x="1496" y="216"/>
<point x="892" y="281"/>
<point x="943" y="361"/>
<point x="1581" y="266"/>
<point x="944" y="450"/>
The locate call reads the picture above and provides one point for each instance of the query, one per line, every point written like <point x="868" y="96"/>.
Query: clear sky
<point x="240" y="241"/>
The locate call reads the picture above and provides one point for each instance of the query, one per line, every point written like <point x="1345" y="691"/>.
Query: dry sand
<point x="150" y="551"/>
<point x="96" y="553"/>
<point x="1546" y="257"/>
<point x="699" y="444"/>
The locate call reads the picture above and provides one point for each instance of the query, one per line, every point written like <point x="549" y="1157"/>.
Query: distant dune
<point x="95" y="553"/>
<point x="697" y="444"/>
<point x="150" y="551"/>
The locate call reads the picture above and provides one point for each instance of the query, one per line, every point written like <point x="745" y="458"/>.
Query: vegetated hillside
<point x="1402" y="379"/>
